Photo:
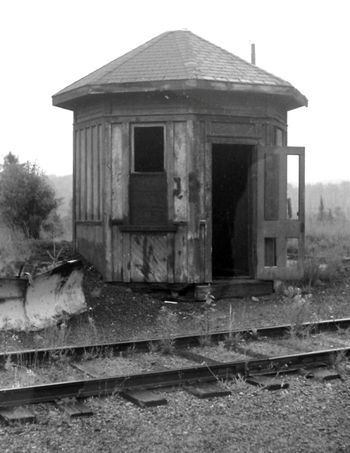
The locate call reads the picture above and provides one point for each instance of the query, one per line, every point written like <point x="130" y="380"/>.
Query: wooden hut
<point x="181" y="164"/>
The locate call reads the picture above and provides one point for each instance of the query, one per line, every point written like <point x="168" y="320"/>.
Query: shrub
<point x="14" y="250"/>
<point x="26" y="197"/>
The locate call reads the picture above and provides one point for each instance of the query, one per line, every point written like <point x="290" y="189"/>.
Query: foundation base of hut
<point x="234" y="287"/>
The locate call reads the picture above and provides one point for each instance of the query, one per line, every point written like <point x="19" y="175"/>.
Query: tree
<point x="52" y="226"/>
<point x="26" y="197"/>
<point x="321" y="211"/>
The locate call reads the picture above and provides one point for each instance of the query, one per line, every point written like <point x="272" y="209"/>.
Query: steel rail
<point x="170" y="378"/>
<point x="35" y="356"/>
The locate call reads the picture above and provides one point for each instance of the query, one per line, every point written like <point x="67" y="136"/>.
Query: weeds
<point x="239" y="383"/>
<point x="340" y="363"/>
<point x="55" y="255"/>
<point x="299" y="312"/>
<point x="343" y="332"/>
<point x="232" y="340"/>
<point x="167" y="322"/>
<point x="205" y="319"/>
<point x="326" y="244"/>
<point x="53" y="336"/>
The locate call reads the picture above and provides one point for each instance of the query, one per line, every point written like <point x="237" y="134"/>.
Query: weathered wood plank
<point x="101" y="153"/>
<point x="90" y="243"/>
<point x="117" y="172"/>
<point x="180" y="254"/>
<point x="89" y="111"/>
<point x="78" y="176"/>
<point x="203" y="213"/>
<point x="149" y="257"/>
<point x="169" y="168"/>
<point x="17" y="415"/>
<point x="94" y="172"/>
<point x="89" y="170"/>
<point x="207" y="390"/>
<point x="126" y="257"/>
<point x="144" y="398"/>
<point x="194" y="204"/>
<point x="107" y="200"/>
<point x="117" y="246"/>
<point x="75" y="210"/>
<point x="208" y="206"/>
<point x="232" y="129"/>
<point x="235" y="106"/>
<point x="126" y="153"/>
<point x="170" y="258"/>
<point x="83" y="174"/>
<point x="76" y="408"/>
<point x="180" y="179"/>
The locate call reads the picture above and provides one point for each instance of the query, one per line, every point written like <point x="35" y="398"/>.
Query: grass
<point x="326" y="244"/>
<point x="167" y="326"/>
<point x="204" y="319"/>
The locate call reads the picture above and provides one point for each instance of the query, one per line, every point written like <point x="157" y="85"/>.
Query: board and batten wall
<point x="88" y="192"/>
<point x="165" y="254"/>
<point x="102" y="159"/>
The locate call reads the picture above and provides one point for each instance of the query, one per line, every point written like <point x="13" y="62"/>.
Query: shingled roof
<point x="178" y="60"/>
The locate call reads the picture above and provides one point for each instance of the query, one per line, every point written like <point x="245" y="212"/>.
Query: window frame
<point x="145" y="125"/>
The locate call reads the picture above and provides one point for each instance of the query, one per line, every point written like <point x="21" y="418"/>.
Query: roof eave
<point x="68" y="99"/>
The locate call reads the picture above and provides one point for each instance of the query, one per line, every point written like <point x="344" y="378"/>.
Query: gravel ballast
<point x="309" y="416"/>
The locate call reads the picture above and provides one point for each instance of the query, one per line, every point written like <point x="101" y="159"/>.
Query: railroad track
<point x="203" y="376"/>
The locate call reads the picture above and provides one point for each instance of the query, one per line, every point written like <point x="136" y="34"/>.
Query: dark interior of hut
<point x="230" y="209"/>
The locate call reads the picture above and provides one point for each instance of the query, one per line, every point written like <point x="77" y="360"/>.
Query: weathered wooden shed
<point x="181" y="166"/>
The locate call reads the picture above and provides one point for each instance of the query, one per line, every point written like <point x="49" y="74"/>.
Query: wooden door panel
<point x="280" y="239"/>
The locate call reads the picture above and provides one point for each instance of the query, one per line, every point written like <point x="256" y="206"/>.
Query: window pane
<point x="292" y="187"/>
<point x="270" y="252"/>
<point x="292" y="252"/>
<point x="148" y="199"/>
<point x="149" y="149"/>
<point x="271" y="189"/>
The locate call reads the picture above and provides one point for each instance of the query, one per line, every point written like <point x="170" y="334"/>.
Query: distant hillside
<point x="335" y="196"/>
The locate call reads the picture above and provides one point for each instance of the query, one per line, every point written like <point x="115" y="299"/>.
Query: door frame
<point x="252" y="189"/>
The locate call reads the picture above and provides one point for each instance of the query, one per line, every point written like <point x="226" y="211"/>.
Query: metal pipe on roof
<point x="252" y="53"/>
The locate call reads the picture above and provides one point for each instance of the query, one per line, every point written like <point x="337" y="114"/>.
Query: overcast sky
<point x="48" y="44"/>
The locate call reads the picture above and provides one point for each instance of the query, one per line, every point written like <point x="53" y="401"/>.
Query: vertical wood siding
<point x="87" y="155"/>
<point x="102" y="157"/>
<point x="90" y="244"/>
<point x="195" y="176"/>
<point x="120" y="169"/>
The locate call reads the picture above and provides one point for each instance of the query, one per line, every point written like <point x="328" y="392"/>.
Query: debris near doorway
<point x="234" y="288"/>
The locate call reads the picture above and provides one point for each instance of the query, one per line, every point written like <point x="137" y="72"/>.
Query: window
<point x="148" y="148"/>
<point x="270" y="252"/>
<point x="148" y="180"/>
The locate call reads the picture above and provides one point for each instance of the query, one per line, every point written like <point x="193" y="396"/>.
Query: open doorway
<point x="231" y="248"/>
